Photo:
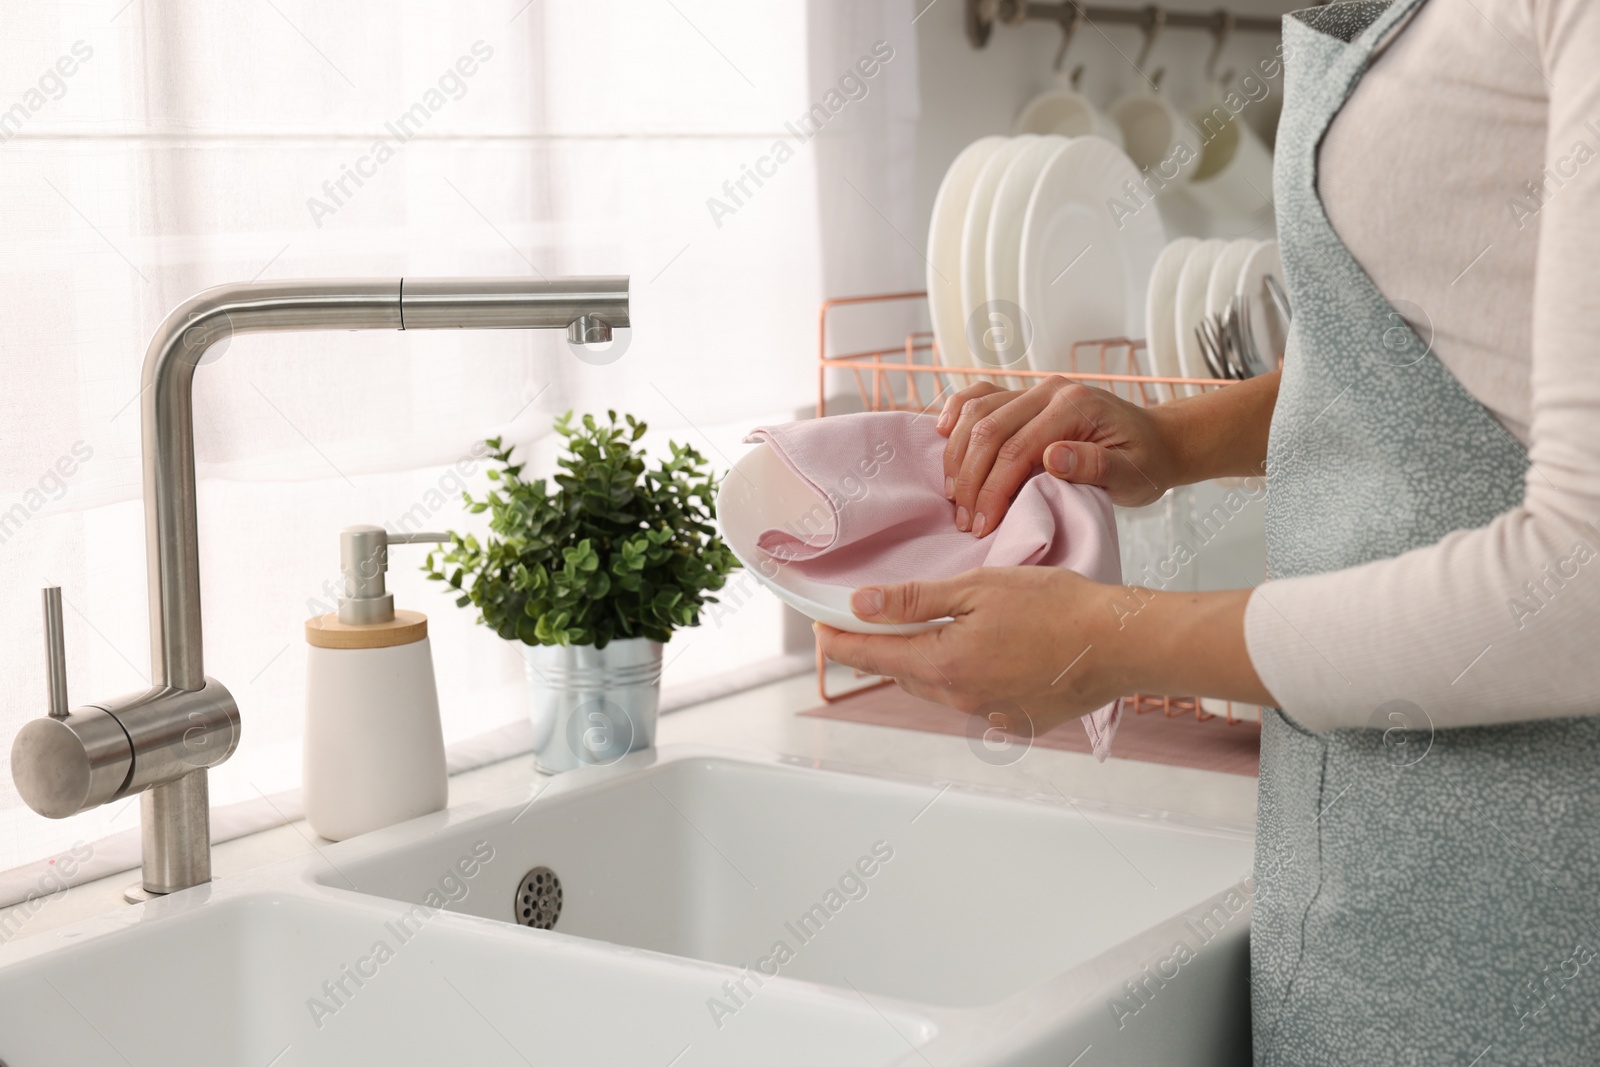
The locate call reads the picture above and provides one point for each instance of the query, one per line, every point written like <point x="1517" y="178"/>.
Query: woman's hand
<point x="1033" y="636"/>
<point x="998" y="437"/>
<point x="1050" y="641"/>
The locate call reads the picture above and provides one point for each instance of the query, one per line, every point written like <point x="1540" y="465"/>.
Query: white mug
<point x="1157" y="138"/>
<point x="1066" y="112"/>
<point x="1235" y="172"/>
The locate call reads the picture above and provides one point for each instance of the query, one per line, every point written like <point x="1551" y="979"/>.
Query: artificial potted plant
<point x="592" y="570"/>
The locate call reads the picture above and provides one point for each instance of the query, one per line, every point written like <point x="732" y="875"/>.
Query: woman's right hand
<point x="1079" y="434"/>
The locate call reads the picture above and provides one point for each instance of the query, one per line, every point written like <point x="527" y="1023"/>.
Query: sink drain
<point x="539" y="899"/>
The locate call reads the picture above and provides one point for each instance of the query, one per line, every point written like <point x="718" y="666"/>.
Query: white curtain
<point x="148" y="150"/>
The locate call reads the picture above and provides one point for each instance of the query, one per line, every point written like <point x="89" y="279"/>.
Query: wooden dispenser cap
<point x="407" y="627"/>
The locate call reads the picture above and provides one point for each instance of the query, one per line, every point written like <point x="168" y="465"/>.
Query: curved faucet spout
<point x="594" y="305"/>
<point x="167" y="409"/>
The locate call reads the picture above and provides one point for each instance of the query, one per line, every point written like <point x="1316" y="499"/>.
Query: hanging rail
<point x="983" y="14"/>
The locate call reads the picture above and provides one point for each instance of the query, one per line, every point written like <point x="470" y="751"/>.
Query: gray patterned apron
<point x="1421" y="896"/>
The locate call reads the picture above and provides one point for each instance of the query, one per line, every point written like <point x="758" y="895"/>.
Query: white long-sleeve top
<point x="1464" y="175"/>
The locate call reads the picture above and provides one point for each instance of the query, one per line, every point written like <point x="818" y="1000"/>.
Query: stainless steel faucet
<point x="159" y="743"/>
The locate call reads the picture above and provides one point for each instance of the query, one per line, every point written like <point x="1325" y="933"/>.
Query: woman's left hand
<point x="1038" y="637"/>
<point x="1051" y="641"/>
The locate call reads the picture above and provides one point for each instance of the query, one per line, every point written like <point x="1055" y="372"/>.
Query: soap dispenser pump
<point x="374" y="749"/>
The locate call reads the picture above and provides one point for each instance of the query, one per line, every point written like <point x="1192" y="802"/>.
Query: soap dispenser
<point x="374" y="749"/>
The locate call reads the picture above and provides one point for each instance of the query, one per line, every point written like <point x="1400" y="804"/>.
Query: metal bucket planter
<point x="592" y="706"/>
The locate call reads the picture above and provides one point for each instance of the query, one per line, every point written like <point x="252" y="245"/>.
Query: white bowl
<point x="762" y="492"/>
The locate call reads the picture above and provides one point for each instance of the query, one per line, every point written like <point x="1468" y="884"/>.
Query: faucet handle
<point x="68" y="761"/>
<point x="55" y="652"/>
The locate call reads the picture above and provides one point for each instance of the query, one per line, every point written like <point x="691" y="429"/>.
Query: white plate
<point x="975" y="230"/>
<point x="1225" y="276"/>
<point x="944" y="250"/>
<point x="1193" y="283"/>
<point x="1225" y="272"/>
<point x="1007" y="213"/>
<point x="1266" y="324"/>
<point x="762" y="492"/>
<point x="1083" y="269"/>
<point x="1160" y="329"/>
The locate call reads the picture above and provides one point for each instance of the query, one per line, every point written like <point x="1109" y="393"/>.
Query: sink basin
<point x="689" y="907"/>
<point x="256" y="980"/>
<point x="915" y="893"/>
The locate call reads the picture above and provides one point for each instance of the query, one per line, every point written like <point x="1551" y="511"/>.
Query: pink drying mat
<point x="1152" y="737"/>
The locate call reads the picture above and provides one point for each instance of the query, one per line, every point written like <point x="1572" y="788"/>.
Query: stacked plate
<point x="1214" y="285"/>
<point x="1035" y="245"/>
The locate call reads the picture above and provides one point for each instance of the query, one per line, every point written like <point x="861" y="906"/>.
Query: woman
<point x="1428" y="857"/>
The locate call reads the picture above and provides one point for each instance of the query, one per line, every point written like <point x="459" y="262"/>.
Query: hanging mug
<point x="1065" y="111"/>
<point x="1159" y="140"/>
<point x="1235" y="172"/>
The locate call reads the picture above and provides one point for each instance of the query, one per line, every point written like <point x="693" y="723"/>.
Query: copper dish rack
<point x="898" y="378"/>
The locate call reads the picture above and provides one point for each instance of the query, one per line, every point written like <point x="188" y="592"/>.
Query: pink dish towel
<point x="882" y="517"/>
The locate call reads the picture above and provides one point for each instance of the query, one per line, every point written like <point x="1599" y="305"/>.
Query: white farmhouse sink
<point x="908" y="892"/>
<point x="715" y="908"/>
<point x="241" y="981"/>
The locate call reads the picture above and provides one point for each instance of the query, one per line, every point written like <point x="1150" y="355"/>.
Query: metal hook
<point x="1076" y="78"/>
<point x="1151" y="21"/>
<point x="1069" y="29"/>
<point x="1221" y="29"/>
<point x="981" y="16"/>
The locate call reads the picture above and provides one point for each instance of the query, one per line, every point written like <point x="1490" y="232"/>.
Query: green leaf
<point x="608" y="544"/>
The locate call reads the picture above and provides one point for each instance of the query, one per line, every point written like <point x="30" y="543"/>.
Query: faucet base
<point x="175" y="831"/>
<point x="138" y="894"/>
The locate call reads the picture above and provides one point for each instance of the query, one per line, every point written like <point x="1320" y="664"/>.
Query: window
<point x="150" y="151"/>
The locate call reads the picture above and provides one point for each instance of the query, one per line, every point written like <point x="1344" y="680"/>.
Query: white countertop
<point x="765" y="720"/>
